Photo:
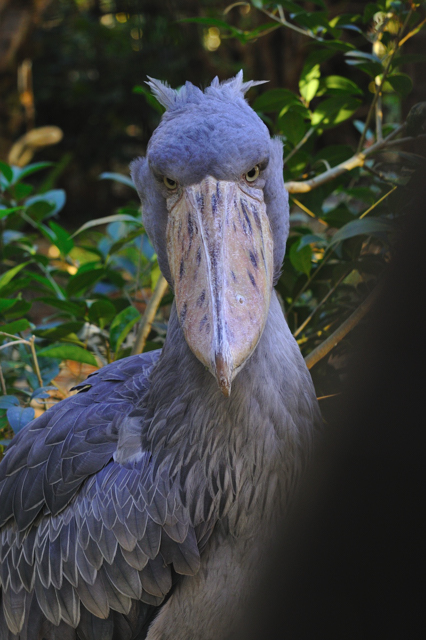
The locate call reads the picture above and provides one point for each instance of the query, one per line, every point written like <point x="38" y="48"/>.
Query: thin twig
<point x="3" y="383"/>
<point x="319" y="305"/>
<point x="357" y="160"/>
<point x="149" y="315"/>
<point x="308" y="211"/>
<point x="300" y="144"/>
<point x="380" y="84"/>
<point x="282" y="21"/>
<point x="373" y="206"/>
<point x="379" y="117"/>
<point x="412" y="33"/>
<point x="325" y="347"/>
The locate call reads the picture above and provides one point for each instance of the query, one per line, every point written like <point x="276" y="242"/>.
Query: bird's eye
<point x="253" y="174"/>
<point x="170" y="183"/>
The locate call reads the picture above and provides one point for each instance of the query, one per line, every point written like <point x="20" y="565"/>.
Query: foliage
<point x="346" y="205"/>
<point x="88" y="281"/>
<point x="343" y="222"/>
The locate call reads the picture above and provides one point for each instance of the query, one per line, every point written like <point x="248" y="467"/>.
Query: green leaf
<point x="311" y="238"/>
<point x="61" y="238"/>
<point x="338" y="217"/>
<point x="309" y="82"/>
<point x="336" y="85"/>
<point x="119" y="217"/>
<point x="19" y="417"/>
<point x="120" y="324"/>
<point x="73" y="308"/>
<point x="20" y="174"/>
<point x="18" y="310"/>
<point x="332" y="111"/>
<point x="82" y="280"/>
<point x="47" y="203"/>
<point x="6" y="277"/>
<point x="275" y="100"/>
<point x="408" y="58"/>
<point x="151" y="100"/>
<point x="301" y="260"/>
<point x="117" y="177"/>
<point x="61" y="331"/>
<point x="6" y="171"/>
<point x="127" y="239"/>
<point x="372" y="69"/>
<point x="68" y="352"/>
<point x="364" y="56"/>
<point x="6" y="304"/>
<point x="101" y="312"/>
<point x="401" y="83"/>
<point x="125" y="332"/>
<point x="5" y="212"/>
<point x="293" y="126"/>
<point x="15" y="327"/>
<point x="366" y="226"/>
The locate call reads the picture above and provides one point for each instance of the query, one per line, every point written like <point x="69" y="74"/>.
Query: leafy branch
<point x="357" y="160"/>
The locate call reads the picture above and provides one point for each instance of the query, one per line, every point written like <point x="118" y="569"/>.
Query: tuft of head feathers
<point x="174" y="99"/>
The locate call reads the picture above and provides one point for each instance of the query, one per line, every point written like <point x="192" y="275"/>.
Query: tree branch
<point x="149" y="315"/>
<point x="325" y="347"/>
<point x="357" y="160"/>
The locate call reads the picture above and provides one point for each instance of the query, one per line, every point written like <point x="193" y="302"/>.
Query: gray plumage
<point x="142" y="506"/>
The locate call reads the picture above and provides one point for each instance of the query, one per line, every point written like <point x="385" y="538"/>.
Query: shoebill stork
<point x="143" y="506"/>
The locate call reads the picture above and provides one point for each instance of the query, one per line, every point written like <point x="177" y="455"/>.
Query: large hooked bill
<point x="220" y="252"/>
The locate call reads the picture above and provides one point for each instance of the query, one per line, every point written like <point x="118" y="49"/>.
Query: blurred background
<point x="344" y="78"/>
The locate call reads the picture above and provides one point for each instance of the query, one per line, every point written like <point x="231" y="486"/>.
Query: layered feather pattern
<point x="84" y="536"/>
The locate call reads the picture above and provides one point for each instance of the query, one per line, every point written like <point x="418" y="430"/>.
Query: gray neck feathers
<point x="219" y="447"/>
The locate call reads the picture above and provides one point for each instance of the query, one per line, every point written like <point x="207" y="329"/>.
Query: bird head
<point x="215" y="208"/>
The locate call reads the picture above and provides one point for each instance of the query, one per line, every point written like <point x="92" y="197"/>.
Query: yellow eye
<point x="170" y="184"/>
<point x="253" y="174"/>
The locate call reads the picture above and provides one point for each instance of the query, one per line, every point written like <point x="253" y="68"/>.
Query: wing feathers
<point x="93" y="543"/>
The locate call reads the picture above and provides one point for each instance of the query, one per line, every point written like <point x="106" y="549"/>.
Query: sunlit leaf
<point x="334" y="110"/>
<point x="61" y="238"/>
<point x="338" y="85"/>
<point x="6" y="277"/>
<point x="309" y="82"/>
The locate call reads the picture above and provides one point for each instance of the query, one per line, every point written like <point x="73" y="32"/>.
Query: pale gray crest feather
<point x="172" y="98"/>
